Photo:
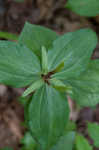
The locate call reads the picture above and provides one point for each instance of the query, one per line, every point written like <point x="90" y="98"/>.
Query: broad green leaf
<point x="48" y="115"/>
<point x="86" y="87"/>
<point x="28" y="142"/>
<point x="75" y="50"/>
<point x="82" y="143"/>
<point x="36" y="85"/>
<point x="66" y="142"/>
<point x="44" y="61"/>
<point x="18" y="65"/>
<point x="93" y="130"/>
<point x="34" y="37"/>
<point x="86" y="8"/>
<point x="8" y="36"/>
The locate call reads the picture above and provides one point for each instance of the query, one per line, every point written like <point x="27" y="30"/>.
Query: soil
<point x="52" y="14"/>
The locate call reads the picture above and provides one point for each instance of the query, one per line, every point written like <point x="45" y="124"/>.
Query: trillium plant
<point x="52" y="68"/>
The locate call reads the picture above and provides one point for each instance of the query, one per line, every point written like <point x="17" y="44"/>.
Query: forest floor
<point x="54" y="15"/>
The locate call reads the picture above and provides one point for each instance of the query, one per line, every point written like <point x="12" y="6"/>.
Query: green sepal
<point x="44" y="61"/>
<point x="58" y="84"/>
<point x="59" y="67"/>
<point x="36" y="85"/>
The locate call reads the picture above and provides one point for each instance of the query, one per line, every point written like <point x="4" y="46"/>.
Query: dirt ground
<point x="52" y="14"/>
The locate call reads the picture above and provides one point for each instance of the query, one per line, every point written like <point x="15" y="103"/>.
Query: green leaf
<point x="18" y="65"/>
<point x="93" y="130"/>
<point x="59" y="68"/>
<point x="59" y="85"/>
<point x="34" y="37"/>
<point x="82" y="143"/>
<point x="36" y="85"/>
<point x="86" y="8"/>
<point x="66" y="142"/>
<point x="22" y="100"/>
<point x="26" y="110"/>
<point x="8" y="36"/>
<point x="44" y="61"/>
<point x="75" y="50"/>
<point x="28" y="142"/>
<point x="48" y="115"/>
<point x="86" y="87"/>
<point x="25" y="101"/>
